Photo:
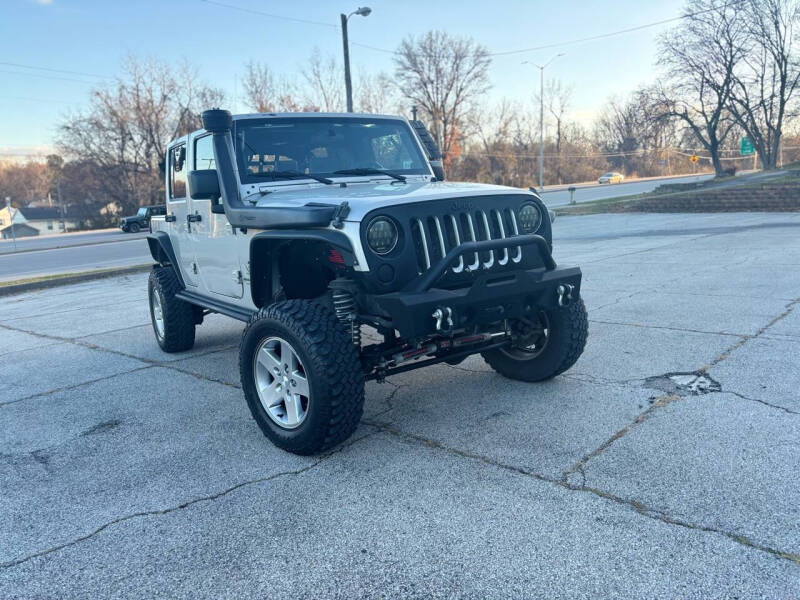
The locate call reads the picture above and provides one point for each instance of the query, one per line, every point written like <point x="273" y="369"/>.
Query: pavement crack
<point x="659" y="403"/>
<point x="390" y="397"/>
<point x="165" y="511"/>
<point x="746" y="338"/>
<point x="668" y="328"/>
<point x="148" y="363"/>
<point x="639" y="507"/>
<point x="764" y="402"/>
<point x="74" y="386"/>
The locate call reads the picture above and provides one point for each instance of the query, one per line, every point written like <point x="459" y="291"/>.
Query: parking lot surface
<point x="664" y="464"/>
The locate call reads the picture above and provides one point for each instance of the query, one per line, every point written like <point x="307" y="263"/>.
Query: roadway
<point x="73" y="258"/>
<point x="86" y="251"/>
<point x="556" y="196"/>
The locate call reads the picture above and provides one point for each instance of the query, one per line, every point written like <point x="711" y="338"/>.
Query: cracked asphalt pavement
<point x="663" y="464"/>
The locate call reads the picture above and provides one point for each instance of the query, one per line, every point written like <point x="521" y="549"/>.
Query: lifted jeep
<point x="310" y="227"/>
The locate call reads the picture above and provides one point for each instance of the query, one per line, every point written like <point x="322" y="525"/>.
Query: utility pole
<point x="541" y="116"/>
<point x="414" y="112"/>
<point x="11" y="216"/>
<point x="541" y="129"/>
<point x="348" y="85"/>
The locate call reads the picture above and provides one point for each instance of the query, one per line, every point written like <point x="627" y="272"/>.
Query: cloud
<point x="44" y="2"/>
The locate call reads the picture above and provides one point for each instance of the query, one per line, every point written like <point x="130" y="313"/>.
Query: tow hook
<point x="565" y="294"/>
<point x="443" y="316"/>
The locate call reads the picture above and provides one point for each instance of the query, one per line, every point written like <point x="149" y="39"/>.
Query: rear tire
<point x="173" y="319"/>
<point x="567" y="330"/>
<point x="301" y="376"/>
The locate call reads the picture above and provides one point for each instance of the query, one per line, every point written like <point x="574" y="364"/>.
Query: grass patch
<point x="92" y="274"/>
<point x="629" y="202"/>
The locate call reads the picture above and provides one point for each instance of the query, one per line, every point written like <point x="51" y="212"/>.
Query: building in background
<point x="39" y="220"/>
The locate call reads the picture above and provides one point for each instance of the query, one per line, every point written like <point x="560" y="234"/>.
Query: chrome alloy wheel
<point x="158" y="313"/>
<point x="281" y="382"/>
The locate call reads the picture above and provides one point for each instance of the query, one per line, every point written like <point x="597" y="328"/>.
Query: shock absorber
<point x="344" y="303"/>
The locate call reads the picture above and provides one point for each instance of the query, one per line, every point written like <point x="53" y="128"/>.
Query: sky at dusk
<point x="90" y="38"/>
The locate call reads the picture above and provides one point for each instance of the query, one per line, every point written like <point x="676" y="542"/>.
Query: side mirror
<point x="204" y="184"/>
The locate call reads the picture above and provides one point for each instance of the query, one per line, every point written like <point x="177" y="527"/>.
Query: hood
<point x="366" y="196"/>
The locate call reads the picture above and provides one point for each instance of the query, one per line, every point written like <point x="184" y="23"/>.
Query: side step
<point x="217" y="306"/>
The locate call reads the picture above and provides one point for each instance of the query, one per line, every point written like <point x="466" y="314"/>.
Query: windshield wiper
<point x="293" y="175"/>
<point x="370" y="171"/>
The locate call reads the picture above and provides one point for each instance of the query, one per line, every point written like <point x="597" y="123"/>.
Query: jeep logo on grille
<point x="461" y="205"/>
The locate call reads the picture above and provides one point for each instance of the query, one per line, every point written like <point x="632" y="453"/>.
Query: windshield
<point x="142" y="212"/>
<point x="324" y="145"/>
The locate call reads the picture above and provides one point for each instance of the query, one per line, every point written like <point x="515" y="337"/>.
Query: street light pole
<point x="541" y="116"/>
<point x="541" y="130"/>
<point x="348" y="85"/>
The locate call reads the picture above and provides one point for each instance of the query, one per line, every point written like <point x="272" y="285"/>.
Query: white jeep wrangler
<point x="309" y="227"/>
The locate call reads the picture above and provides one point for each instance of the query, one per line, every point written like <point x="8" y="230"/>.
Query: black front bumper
<point x="490" y="299"/>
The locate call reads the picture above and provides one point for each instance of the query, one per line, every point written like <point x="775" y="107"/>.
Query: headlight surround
<point x="530" y="218"/>
<point x="382" y="235"/>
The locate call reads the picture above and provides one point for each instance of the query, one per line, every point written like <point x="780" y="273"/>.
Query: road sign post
<point x="746" y="149"/>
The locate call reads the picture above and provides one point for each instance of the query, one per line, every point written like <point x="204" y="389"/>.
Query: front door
<point x="177" y="208"/>
<point x="216" y="243"/>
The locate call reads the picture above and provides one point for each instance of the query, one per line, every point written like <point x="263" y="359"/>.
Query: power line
<point x="48" y="100"/>
<point x="614" y="33"/>
<point x="49" y="77"/>
<point x="505" y="52"/>
<point x="266" y="14"/>
<point x="11" y="64"/>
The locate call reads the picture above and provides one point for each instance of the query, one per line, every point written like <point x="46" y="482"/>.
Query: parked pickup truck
<point x="311" y="227"/>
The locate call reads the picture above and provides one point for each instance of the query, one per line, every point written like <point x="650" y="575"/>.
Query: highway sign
<point x="746" y="149"/>
<point x="694" y="158"/>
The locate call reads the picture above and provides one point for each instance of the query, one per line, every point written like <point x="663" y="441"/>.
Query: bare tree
<point x="769" y="75"/>
<point x="442" y="75"/>
<point x="634" y="133"/>
<point x="375" y="94"/>
<point x="125" y="130"/>
<point x="324" y="78"/>
<point x="266" y="93"/>
<point x="700" y="56"/>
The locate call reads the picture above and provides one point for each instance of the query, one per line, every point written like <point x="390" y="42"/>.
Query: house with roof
<point x="38" y="220"/>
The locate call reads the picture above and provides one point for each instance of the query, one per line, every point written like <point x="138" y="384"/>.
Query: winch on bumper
<point x="420" y="309"/>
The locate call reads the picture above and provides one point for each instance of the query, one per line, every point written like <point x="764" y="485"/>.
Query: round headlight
<point x="382" y="235"/>
<point x="530" y="217"/>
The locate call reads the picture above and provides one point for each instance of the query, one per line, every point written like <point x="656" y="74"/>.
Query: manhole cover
<point x="693" y="383"/>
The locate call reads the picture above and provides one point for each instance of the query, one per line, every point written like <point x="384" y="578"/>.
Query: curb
<point x="65" y="246"/>
<point x="18" y="288"/>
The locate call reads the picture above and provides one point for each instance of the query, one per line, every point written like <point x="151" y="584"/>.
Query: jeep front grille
<point x="433" y="237"/>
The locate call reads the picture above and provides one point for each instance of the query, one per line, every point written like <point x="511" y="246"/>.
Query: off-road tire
<point x="134" y="228"/>
<point x="126" y="229"/>
<point x="178" y="316"/>
<point x="569" y="328"/>
<point x="332" y="367"/>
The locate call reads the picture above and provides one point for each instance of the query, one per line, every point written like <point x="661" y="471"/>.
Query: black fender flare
<point x="163" y="253"/>
<point x="337" y="240"/>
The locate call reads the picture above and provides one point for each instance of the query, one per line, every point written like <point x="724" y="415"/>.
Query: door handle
<point x="170" y="219"/>
<point x="194" y="218"/>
